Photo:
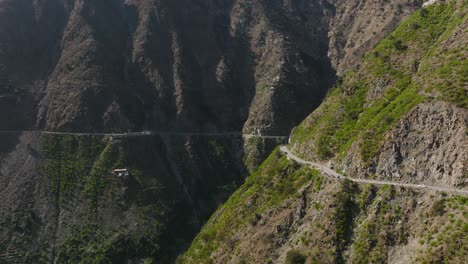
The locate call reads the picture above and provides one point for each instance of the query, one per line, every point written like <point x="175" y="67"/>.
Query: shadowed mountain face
<point x="134" y="65"/>
<point x="184" y="64"/>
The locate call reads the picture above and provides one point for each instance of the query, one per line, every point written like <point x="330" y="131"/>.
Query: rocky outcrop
<point x="428" y="146"/>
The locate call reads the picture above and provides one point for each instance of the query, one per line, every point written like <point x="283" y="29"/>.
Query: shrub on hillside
<point x="295" y="257"/>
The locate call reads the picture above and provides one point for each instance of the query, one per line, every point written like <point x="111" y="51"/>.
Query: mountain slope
<point x="163" y="65"/>
<point x="399" y="116"/>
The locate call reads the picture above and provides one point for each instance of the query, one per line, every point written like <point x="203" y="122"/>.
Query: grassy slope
<point x="276" y="180"/>
<point x="410" y="66"/>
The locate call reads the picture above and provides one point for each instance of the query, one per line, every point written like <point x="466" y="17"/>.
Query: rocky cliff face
<point x="357" y="26"/>
<point x="427" y="146"/>
<point x="219" y="65"/>
<point x="112" y="65"/>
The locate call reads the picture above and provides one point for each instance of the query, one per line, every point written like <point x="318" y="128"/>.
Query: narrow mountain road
<point x="333" y="174"/>
<point x="154" y="133"/>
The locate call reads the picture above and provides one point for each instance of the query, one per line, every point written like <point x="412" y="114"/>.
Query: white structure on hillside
<point x="121" y="172"/>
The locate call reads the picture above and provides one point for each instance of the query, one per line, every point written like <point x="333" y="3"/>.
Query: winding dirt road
<point x="333" y="174"/>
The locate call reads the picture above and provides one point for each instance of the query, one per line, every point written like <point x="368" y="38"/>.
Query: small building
<point x="121" y="172"/>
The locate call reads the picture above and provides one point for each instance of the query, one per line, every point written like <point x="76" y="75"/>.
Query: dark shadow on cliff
<point x="8" y="142"/>
<point x="305" y="28"/>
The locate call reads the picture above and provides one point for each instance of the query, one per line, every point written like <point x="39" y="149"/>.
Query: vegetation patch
<point x="295" y="257"/>
<point x="346" y="211"/>
<point x="446" y="243"/>
<point x="69" y="161"/>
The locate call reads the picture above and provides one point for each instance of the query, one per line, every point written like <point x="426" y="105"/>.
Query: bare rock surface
<point x="429" y="145"/>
